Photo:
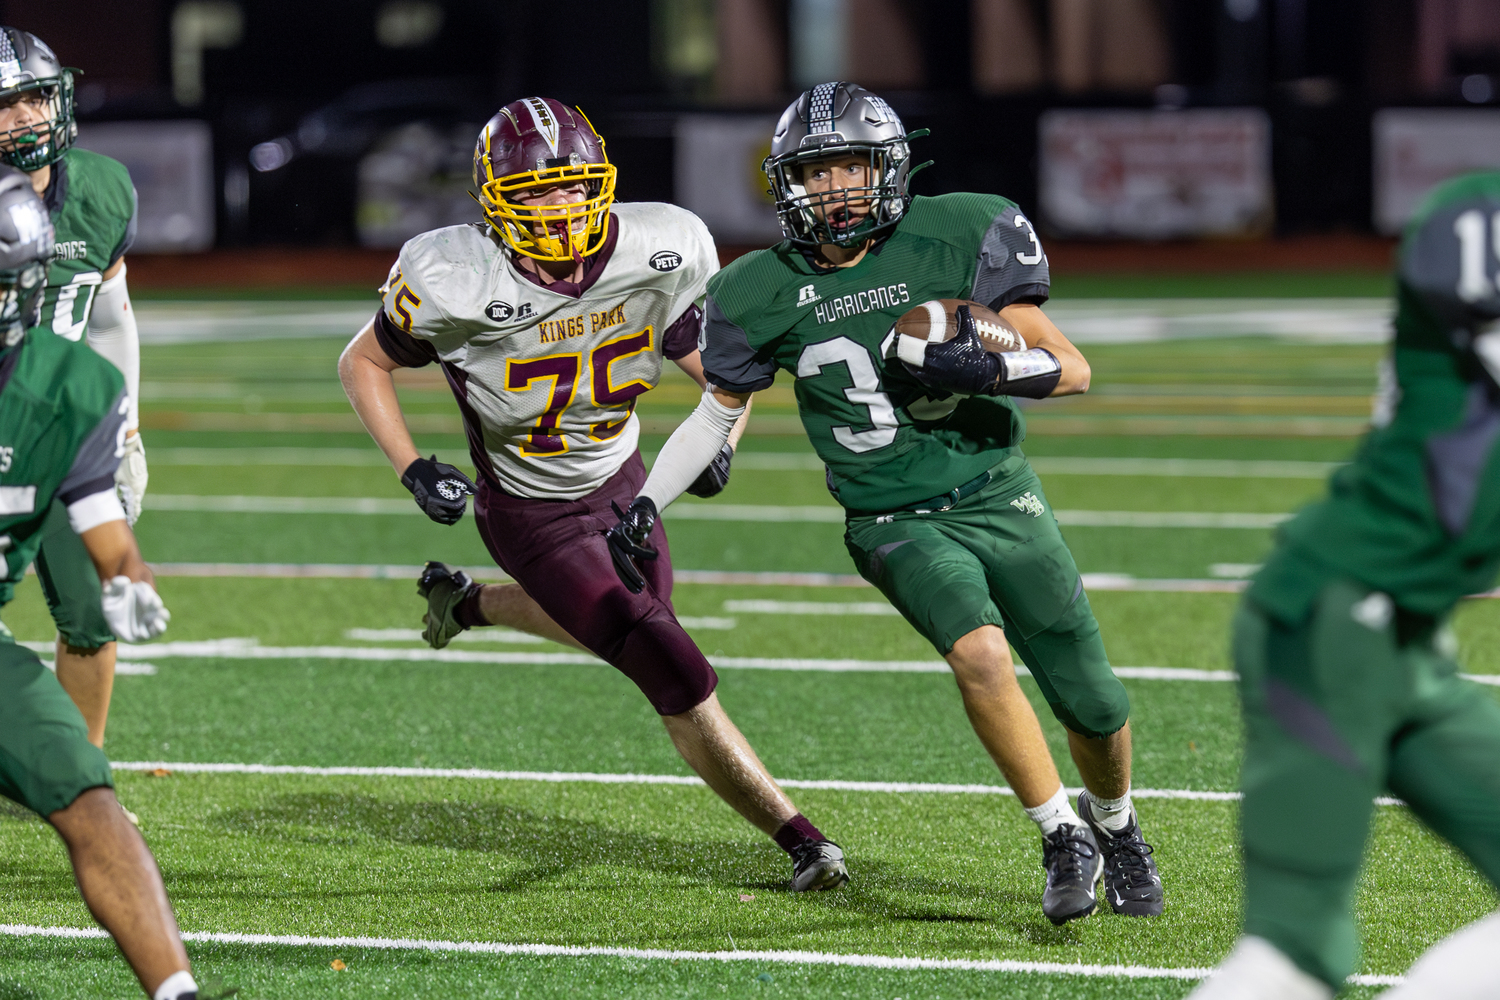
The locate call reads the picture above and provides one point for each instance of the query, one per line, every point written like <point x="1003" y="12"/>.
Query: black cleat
<point x="1131" y="883"/>
<point x="445" y="588"/>
<point x="818" y="865"/>
<point x="1073" y="863"/>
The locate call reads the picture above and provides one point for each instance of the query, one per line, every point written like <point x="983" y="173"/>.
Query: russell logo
<point x="666" y="260"/>
<point x="807" y="295"/>
<point x="499" y="311"/>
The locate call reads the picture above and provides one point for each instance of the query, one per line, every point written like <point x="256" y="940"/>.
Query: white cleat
<point x="1258" y="970"/>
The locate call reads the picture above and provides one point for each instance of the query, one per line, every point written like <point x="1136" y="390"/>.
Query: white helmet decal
<point x="546" y="122"/>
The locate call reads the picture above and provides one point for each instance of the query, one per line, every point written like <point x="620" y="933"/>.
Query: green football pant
<point x="71" y="583"/>
<point x="998" y="558"/>
<point x="1353" y="701"/>
<point x="46" y="759"/>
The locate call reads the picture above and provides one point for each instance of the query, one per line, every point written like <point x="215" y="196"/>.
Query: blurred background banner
<point x="347" y="124"/>
<point x="171" y="164"/>
<point x="718" y="175"/>
<point x="1156" y="174"/>
<point x="1416" y="148"/>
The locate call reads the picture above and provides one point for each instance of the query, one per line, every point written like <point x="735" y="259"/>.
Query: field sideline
<point x="510" y="820"/>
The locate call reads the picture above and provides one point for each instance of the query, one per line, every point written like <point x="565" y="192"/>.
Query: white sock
<point x="175" y="986"/>
<point x="1054" y="813"/>
<point x="1257" y="970"/>
<point x="1112" y="814"/>
<point x="1459" y="967"/>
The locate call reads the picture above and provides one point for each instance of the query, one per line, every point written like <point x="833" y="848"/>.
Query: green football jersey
<point x="887" y="441"/>
<point x="93" y="208"/>
<point x="1417" y="513"/>
<point x="62" y="425"/>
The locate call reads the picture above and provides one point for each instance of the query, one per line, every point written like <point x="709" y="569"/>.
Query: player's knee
<point x="1096" y="712"/>
<point x="666" y="665"/>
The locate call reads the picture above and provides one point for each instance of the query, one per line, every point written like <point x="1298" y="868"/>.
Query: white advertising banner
<point x="171" y="164"/>
<point x="1156" y="174"/>
<point x="1418" y="148"/>
<point x="718" y="176"/>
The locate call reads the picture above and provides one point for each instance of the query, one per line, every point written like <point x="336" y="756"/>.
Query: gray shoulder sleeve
<point x="98" y="457"/>
<point x="1012" y="267"/>
<point x="729" y="361"/>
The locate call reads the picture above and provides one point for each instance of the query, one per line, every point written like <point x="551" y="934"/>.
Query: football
<point x="937" y="321"/>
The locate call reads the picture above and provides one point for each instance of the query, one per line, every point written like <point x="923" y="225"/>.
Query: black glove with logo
<point x="963" y="365"/>
<point x="629" y="540"/>
<point x="712" y="480"/>
<point x="439" y="488"/>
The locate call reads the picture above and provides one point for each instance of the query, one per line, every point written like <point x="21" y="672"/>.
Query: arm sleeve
<point x="695" y="443"/>
<point x="112" y="333"/>
<point x="93" y="469"/>
<point x="1012" y="266"/>
<point x="728" y="359"/>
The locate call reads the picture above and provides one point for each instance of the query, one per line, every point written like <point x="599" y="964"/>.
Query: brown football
<point x="937" y="321"/>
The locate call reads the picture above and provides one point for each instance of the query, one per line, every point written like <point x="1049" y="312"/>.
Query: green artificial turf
<point x="633" y="865"/>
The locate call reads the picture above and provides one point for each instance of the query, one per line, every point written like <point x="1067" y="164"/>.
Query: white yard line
<point x="742" y="512"/>
<point x="591" y="778"/>
<point x="668" y="955"/>
<point x="250" y="649"/>
<point x="775" y="461"/>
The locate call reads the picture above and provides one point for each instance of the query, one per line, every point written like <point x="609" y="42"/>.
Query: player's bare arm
<point x="1038" y="330"/>
<point x="366" y="372"/>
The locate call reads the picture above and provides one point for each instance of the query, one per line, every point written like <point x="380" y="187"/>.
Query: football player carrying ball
<point x="923" y="448"/>
<point x="549" y="318"/>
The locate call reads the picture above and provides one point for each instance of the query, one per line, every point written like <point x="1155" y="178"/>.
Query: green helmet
<point x="27" y="65"/>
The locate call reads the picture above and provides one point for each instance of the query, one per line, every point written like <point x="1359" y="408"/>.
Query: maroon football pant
<point x="555" y="550"/>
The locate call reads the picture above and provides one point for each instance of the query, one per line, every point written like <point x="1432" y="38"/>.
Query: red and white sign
<point x="1419" y="148"/>
<point x="1156" y="174"/>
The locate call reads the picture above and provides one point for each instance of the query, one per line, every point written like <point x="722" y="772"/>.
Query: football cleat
<point x="1073" y="863"/>
<point x="1131" y="883"/>
<point x="818" y="865"/>
<point x="445" y="589"/>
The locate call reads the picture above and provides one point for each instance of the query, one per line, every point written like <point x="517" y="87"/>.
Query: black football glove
<point x="439" y="488"/>
<point x="712" y="480"/>
<point x="963" y="365"/>
<point x="629" y="539"/>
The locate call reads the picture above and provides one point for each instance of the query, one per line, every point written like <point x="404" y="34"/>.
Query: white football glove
<point x="130" y="478"/>
<point x="134" y="610"/>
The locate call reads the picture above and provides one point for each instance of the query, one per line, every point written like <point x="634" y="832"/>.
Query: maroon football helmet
<point x="539" y="142"/>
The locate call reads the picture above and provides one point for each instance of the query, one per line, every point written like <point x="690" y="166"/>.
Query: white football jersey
<point x="551" y="380"/>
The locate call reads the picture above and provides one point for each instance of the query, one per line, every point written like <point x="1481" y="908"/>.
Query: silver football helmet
<point x="26" y="246"/>
<point x="840" y="119"/>
<point x="29" y="68"/>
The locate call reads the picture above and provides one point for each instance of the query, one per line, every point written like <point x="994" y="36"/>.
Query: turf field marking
<point x="742" y="512"/>
<point x="775" y="461"/>
<point x="810" y="608"/>
<point x="593" y="778"/>
<point x="415" y="635"/>
<point x="250" y="649"/>
<point x="662" y="954"/>
<point x="377" y="571"/>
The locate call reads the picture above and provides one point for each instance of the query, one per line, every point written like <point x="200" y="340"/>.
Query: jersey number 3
<point x="864" y="392"/>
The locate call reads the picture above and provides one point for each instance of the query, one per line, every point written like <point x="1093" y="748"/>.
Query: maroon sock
<point x="467" y="613"/>
<point x="795" y="832"/>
